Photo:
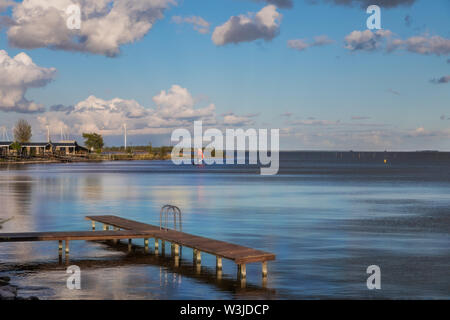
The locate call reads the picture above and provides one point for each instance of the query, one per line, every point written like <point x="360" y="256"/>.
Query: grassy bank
<point x="128" y="156"/>
<point x="88" y="158"/>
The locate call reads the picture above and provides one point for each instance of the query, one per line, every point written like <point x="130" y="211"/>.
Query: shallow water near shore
<point x="326" y="221"/>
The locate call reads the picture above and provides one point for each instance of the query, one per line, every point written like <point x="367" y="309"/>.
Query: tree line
<point x="93" y="141"/>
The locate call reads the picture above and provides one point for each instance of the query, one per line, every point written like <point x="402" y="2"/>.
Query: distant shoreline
<point x="77" y="160"/>
<point x="377" y="156"/>
<point x="29" y="162"/>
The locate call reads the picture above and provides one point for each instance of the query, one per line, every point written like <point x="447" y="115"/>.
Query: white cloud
<point x="314" y="122"/>
<point x="298" y="44"/>
<point x="128" y="108"/>
<point x="322" y="40"/>
<point x="366" y="40"/>
<point x="17" y="75"/>
<point x="174" y="108"/>
<point x="178" y="103"/>
<point x="384" y="40"/>
<point x="98" y="115"/>
<point x="419" y="132"/>
<point x="301" y="44"/>
<point x="422" y="132"/>
<point x="423" y="45"/>
<point x="106" y="24"/>
<point x="231" y="119"/>
<point x="265" y="25"/>
<point x="199" y="24"/>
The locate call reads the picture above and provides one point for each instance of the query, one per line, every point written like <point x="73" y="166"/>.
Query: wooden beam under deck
<point x="72" y="235"/>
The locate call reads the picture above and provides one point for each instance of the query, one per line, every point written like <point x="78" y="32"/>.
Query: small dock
<point x="129" y="229"/>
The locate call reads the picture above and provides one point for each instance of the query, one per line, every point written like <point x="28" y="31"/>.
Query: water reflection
<point x="325" y="221"/>
<point x="92" y="187"/>
<point x="126" y="272"/>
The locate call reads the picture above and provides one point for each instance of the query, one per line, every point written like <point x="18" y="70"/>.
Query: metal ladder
<point x="164" y="217"/>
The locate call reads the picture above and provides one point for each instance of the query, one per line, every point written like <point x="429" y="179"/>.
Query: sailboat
<point x="200" y="158"/>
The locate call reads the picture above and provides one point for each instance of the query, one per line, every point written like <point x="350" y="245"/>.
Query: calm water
<point x="327" y="221"/>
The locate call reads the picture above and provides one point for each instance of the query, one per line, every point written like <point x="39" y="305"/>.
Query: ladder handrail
<point x="164" y="217"/>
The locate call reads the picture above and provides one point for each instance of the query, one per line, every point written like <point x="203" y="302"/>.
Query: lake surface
<point x="327" y="221"/>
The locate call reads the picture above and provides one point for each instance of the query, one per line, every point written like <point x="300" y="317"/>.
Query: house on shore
<point x="4" y="148"/>
<point x="70" y="147"/>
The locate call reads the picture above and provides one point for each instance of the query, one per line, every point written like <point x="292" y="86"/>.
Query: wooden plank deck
<point x="122" y="223"/>
<point x="130" y="229"/>
<point x="237" y="253"/>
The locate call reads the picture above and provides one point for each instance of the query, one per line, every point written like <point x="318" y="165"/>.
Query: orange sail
<point x="200" y="156"/>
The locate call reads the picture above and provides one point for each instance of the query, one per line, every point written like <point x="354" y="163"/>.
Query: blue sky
<point x="332" y="97"/>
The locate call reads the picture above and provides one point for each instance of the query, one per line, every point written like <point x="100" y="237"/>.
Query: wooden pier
<point x="129" y="229"/>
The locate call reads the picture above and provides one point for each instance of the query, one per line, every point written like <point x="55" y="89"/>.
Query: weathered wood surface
<point x="239" y="254"/>
<point x="137" y="230"/>
<point x="122" y="223"/>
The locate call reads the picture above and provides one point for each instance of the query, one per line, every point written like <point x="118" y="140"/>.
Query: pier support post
<point x="115" y="240"/>
<point x="67" y="246"/>
<point x="264" y="269"/>
<point x="156" y="246"/>
<point x="176" y="250"/>
<point x="243" y="283"/>
<point x="218" y="263"/>
<point x="105" y="227"/>
<point x="198" y="257"/>
<point x="130" y="243"/>
<point x="146" y="244"/>
<point x="264" y="282"/>
<point x="60" y="250"/>
<point x="93" y="225"/>
<point x="242" y="271"/>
